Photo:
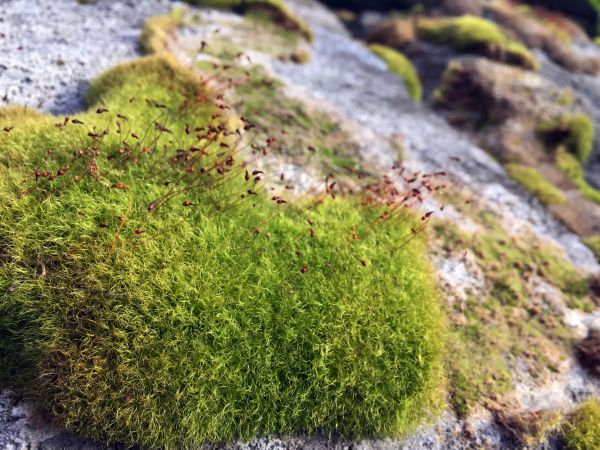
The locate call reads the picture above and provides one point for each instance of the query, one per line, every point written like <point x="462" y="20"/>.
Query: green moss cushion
<point x="145" y="303"/>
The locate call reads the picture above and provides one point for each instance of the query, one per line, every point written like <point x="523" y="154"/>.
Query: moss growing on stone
<point x="148" y="298"/>
<point x="401" y="66"/>
<point x="301" y="56"/>
<point x="157" y="29"/>
<point x="575" y="131"/>
<point x="501" y="322"/>
<point x="471" y="33"/>
<point x="582" y="431"/>
<point x="277" y="9"/>
<point x="532" y="180"/>
<point x="571" y="167"/>
<point x="593" y="243"/>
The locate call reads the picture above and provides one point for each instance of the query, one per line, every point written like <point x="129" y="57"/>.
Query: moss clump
<point x="594" y="244"/>
<point x="582" y="431"/>
<point x="575" y="131"/>
<point x="401" y="65"/>
<point x="157" y="29"/>
<point x="151" y="293"/>
<point x="471" y="33"/>
<point x="277" y="9"/>
<point x="571" y="167"/>
<point x="301" y="56"/>
<point x="532" y="180"/>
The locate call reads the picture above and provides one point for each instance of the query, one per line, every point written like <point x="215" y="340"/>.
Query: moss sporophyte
<point x="157" y="289"/>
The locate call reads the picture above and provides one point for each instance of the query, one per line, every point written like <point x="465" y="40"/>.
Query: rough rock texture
<point x="51" y="48"/>
<point x="23" y="427"/>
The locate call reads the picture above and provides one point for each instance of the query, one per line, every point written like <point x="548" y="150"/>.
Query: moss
<point x="477" y="367"/>
<point x="156" y="31"/>
<point x="532" y="180"/>
<point x="575" y="131"/>
<point x="14" y="114"/>
<point x="566" y="98"/>
<point x="593" y="243"/>
<point x="146" y="301"/>
<point x="571" y="166"/>
<point x="277" y="9"/>
<point x="582" y="431"/>
<point x="305" y="135"/>
<point x="301" y="56"/>
<point x="471" y="33"/>
<point x="502" y="324"/>
<point x="401" y="66"/>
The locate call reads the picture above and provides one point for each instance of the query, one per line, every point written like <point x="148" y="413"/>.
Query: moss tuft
<point x="582" y="431"/>
<point x="214" y="314"/>
<point x="575" y="131"/>
<point x="301" y="56"/>
<point x="471" y="33"/>
<point x="571" y="167"/>
<point x="401" y="65"/>
<point x="593" y="243"/>
<point x="532" y="180"/>
<point x="156" y="31"/>
<point x="277" y="9"/>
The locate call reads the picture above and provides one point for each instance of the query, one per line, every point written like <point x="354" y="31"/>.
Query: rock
<point x="536" y="34"/>
<point x="393" y="33"/>
<point x="502" y="108"/>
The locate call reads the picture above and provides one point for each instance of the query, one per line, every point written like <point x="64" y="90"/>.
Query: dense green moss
<point x="151" y="293"/>
<point x="575" y="131"/>
<point x="471" y="33"/>
<point x="532" y="180"/>
<point x="401" y="65"/>
<point x="582" y="431"/>
<point x="571" y="167"/>
<point x="279" y="11"/>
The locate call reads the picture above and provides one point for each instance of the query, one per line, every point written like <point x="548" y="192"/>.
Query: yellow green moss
<point x="471" y="33"/>
<point x="582" y="431"/>
<point x="532" y="180"/>
<point x="572" y="167"/>
<point x="157" y="30"/>
<point x="500" y="324"/>
<point x="575" y="131"/>
<point x="401" y="65"/>
<point x="280" y="12"/>
<point x="149" y="299"/>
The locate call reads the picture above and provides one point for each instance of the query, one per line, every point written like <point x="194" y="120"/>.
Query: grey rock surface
<point x="51" y="48"/>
